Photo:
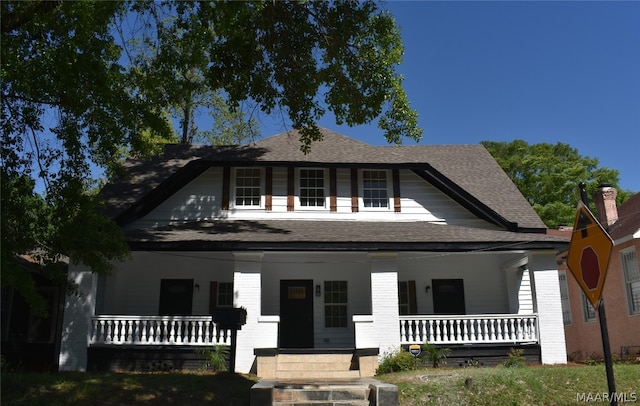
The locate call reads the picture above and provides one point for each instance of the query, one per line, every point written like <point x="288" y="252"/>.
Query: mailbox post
<point x="232" y="318"/>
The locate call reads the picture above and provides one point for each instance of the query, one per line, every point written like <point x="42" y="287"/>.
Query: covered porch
<point x="322" y="301"/>
<point x="134" y="342"/>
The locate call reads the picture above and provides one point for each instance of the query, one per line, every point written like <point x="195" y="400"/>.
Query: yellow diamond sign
<point x="589" y="253"/>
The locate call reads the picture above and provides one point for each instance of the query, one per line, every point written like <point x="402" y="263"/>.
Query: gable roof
<point x="466" y="173"/>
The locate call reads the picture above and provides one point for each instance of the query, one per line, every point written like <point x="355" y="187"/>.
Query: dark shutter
<point x="354" y="190"/>
<point x="226" y="180"/>
<point x="290" y="188"/>
<point x="413" y="303"/>
<point x="396" y="190"/>
<point x="268" y="200"/>
<point x="213" y="296"/>
<point x="333" y="187"/>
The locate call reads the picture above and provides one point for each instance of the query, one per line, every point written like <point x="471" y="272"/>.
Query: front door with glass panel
<point x="296" y="314"/>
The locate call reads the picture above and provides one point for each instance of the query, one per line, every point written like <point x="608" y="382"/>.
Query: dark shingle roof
<point x="468" y="169"/>
<point x="352" y="235"/>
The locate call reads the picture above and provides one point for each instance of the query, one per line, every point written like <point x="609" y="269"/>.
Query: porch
<point x="171" y="342"/>
<point x="415" y="329"/>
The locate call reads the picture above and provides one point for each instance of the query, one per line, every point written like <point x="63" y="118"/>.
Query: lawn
<point x="532" y="385"/>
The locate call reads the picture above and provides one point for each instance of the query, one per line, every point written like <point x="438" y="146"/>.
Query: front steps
<point x="358" y="392"/>
<point x="288" y="364"/>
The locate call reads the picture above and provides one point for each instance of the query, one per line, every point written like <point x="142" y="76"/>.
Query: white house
<point x="351" y="249"/>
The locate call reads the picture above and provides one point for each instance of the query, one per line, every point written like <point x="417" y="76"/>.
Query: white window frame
<point x="299" y="189"/>
<point x="388" y="190"/>
<point x="631" y="276"/>
<point x="340" y="304"/>
<point x="235" y="187"/>
<point x="564" y="297"/>
<point x="588" y="311"/>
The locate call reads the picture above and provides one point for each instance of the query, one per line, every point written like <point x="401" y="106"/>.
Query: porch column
<point x="385" y="332"/>
<point x="548" y="305"/>
<point x="76" y="323"/>
<point x="247" y="285"/>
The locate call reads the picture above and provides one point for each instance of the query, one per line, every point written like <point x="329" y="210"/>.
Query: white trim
<point x="233" y="186"/>
<point x="297" y="205"/>
<point x="389" y="181"/>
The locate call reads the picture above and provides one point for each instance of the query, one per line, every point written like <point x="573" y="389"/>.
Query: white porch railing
<point x="158" y="330"/>
<point x="469" y="329"/>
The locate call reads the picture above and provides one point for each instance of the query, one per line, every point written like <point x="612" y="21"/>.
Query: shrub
<point x="397" y="361"/>
<point x="216" y="358"/>
<point x="435" y="355"/>
<point x="516" y="360"/>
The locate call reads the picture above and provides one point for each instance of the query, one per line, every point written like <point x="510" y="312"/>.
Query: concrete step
<point x="326" y="392"/>
<point x="310" y="373"/>
<point x="319" y="366"/>
<point x="285" y="394"/>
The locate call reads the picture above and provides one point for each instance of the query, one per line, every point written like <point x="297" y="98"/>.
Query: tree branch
<point x="13" y="21"/>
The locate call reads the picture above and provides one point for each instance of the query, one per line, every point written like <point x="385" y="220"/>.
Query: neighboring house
<point x="351" y="249"/>
<point x="621" y="291"/>
<point x="31" y="341"/>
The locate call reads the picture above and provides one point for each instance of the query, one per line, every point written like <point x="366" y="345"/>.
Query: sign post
<point x="588" y="261"/>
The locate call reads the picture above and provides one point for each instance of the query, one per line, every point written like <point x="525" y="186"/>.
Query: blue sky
<point x="539" y="71"/>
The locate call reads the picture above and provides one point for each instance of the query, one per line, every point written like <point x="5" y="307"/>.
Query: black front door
<point x="176" y="297"/>
<point x="448" y="296"/>
<point x="296" y="314"/>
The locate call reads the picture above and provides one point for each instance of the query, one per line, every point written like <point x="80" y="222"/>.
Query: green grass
<point x="94" y="389"/>
<point x="532" y="385"/>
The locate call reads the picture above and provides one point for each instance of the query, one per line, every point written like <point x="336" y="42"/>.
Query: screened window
<point x="588" y="311"/>
<point x="312" y="188"/>
<point x="248" y="187"/>
<point x="374" y="189"/>
<point x="564" y="297"/>
<point x="631" y="269"/>
<point x="335" y="304"/>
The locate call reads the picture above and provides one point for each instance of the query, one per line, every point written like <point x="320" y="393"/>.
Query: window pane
<point x="374" y="188"/>
<point x="312" y="187"/>
<point x="335" y="299"/>
<point x="247" y="186"/>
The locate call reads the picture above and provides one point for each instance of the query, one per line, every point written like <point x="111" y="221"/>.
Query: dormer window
<point x="248" y="187"/>
<point x="375" y="189"/>
<point x="312" y="188"/>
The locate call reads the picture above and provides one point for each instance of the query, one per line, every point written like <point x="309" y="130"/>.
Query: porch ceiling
<point x="331" y="235"/>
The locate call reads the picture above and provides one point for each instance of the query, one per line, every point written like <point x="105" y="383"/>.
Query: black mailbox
<point x="230" y="317"/>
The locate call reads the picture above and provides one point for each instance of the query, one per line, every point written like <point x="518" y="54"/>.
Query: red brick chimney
<point x="605" y="200"/>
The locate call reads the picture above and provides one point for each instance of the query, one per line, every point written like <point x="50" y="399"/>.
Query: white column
<point x="544" y="272"/>
<point x="384" y="302"/>
<point x="76" y="324"/>
<point x="247" y="286"/>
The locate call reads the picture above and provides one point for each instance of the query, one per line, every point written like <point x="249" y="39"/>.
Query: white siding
<point x="485" y="286"/>
<point x="549" y="308"/>
<point x="201" y="199"/>
<point x="353" y="268"/>
<point x="134" y="288"/>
